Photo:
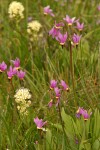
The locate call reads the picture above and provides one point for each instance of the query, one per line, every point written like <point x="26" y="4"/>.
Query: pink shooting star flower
<point x="53" y="84"/>
<point x="79" y="26"/>
<point x="21" y="74"/>
<point x="79" y="112"/>
<point x="50" y="103"/>
<point x="39" y="123"/>
<point x="64" y="85"/>
<point x="3" y="66"/>
<point x="82" y="112"/>
<point x="49" y="11"/>
<point x="11" y="72"/>
<point x="16" y="63"/>
<point x="62" y="38"/>
<point x="85" y="115"/>
<point x="59" y="25"/>
<point x="76" y="39"/>
<point x="54" y="32"/>
<point x="57" y="92"/>
<point x="98" y="7"/>
<point x="69" y="20"/>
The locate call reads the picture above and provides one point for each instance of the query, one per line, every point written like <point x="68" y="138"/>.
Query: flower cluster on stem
<point x="56" y="91"/>
<point x="63" y="31"/>
<point x="22" y="98"/>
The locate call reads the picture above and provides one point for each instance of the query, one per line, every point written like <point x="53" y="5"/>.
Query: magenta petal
<point x="39" y="122"/>
<point x="3" y="66"/>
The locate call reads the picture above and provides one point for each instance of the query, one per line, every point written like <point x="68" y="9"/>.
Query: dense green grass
<point x="44" y="60"/>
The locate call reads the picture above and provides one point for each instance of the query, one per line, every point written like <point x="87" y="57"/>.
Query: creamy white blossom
<point x="16" y="10"/>
<point x="33" y="26"/>
<point x="22" y="98"/>
<point x="22" y="93"/>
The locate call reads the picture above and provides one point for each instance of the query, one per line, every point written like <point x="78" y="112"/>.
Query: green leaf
<point x="96" y="145"/>
<point x="48" y="140"/>
<point x="87" y="146"/>
<point x="58" y="126"/>
<point x="96" y="131"/>
<point x="68" y="123"/>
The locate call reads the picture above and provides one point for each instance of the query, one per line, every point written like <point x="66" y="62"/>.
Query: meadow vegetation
<point x="50" y="75"/>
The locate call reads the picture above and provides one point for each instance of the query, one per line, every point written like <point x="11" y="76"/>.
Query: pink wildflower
<point x="54" y="32"/>
<point x="79" y="26"/>
<point x="76" y="39"/>
<point x="64" y="85"/>
<point x="82" y="112"/>
<point x="39" y="123"/>
<point x="98" y="7"/>
<point x="16" y="63"/>
<point x="49" y="11"/>
<point x="11" y="72"/>
<point x="53" y="84"/>
<point x="69" y="20"/>
<point x="62" y="38"/>
<point x="50" y="103"/>
<point x="3" y="66"/>
<point x="21" y="74"/>
<point x="57" y="92"/>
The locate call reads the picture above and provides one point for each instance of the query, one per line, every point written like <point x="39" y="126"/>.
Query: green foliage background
<point x="43" y="61"/>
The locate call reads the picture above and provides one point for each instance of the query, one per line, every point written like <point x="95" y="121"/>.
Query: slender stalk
<point x="11" y="84"/>
<point x="72" y="73"/>
<point x="71" y="66"/>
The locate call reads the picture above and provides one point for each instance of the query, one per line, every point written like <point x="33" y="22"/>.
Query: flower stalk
<point x="72" y="72"/>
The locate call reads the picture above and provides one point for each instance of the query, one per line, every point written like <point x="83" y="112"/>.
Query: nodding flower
<point x="76" y="39"/>
<point x="50" y="103"/>
<point x="16" y="63"/>
<point x="11" y="72"/>
<point x="98" y="7"/>
<point x="59" y="25"/>
<point x="64" y="85"/>
<point x="57" y="92"/>
<point x="54" y="32"/>
<point x="69" y="20"/>
<point x="79" y="26"/>
<point x="39" y="123"/>
<point x="53" y="84"/>
<point x="62" y="38"/>
<point x="49" y="11"/>
<point x="21" y="74"/>
<point x="3" y="67"/>
<point x="82" y="112"/>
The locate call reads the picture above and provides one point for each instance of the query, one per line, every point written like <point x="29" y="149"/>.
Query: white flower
<point x="33" y="26"/>
<point x="16" y="10"/>
<point x="22" y="94"/>
<point x="22" y="98"/>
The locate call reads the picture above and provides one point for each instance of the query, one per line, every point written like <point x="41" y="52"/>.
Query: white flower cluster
<point x="33" y="29"/>
<point x="16" y="10"/>
<point x="22" y="98"/>
<point x="33" y="26"/>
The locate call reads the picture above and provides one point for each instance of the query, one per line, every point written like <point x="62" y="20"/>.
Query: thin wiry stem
<point x="72" y="72"/>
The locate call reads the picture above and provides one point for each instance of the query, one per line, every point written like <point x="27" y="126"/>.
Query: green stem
<point x="72" y="73"/>
<point x="71" y="66"/>
<point x="11" y="84"/>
